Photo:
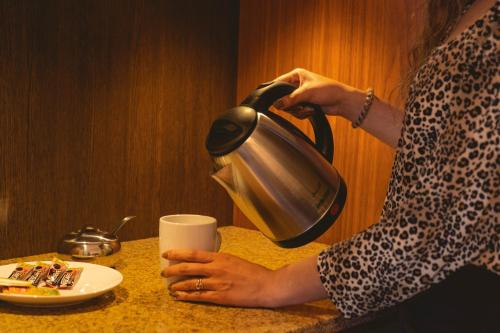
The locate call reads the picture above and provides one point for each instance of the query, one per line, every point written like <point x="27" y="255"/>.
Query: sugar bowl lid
<point x="89" y="234"/>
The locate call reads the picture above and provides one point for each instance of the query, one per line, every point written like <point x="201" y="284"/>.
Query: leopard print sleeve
<point x="442" y="208"/>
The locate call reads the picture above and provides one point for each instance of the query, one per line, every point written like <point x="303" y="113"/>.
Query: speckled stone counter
<point x="142" y="304"/>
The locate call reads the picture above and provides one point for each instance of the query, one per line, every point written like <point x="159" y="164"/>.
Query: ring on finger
<point x="199" y="284"/>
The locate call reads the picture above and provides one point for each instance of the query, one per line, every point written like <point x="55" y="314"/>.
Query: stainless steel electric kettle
<point x="283" y="182"/>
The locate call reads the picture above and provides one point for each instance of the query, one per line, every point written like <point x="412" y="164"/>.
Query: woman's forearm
<point x="296" y="283"/>
<point x="382" y="121"/>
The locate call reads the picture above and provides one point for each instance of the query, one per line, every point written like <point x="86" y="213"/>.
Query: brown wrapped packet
<point x="70" y="277"/>
<point x="39" y="273"/>
<point x="22" y="271"/>
<point x="55" y="273"/>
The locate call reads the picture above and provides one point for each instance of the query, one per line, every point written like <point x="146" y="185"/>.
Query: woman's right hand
<point x="334" y="97"/>
<point x="383" y="121"/>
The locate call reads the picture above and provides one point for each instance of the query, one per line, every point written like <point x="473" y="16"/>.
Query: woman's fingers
<point x="292" y="77"/>
<point x="191" y="262"/>
<point x="197" y="296"/>
<point x="199" y="284"/>
<point x="301" y="111"/>
<point x="288" y="102"/>
<point x="189" y="255"/>
<point x="191" y="285"/>
<point x="189" y="269"/>
<point x="295" y="77"/>
<point x="206" y="290"/>
<point x="298" y="77"/>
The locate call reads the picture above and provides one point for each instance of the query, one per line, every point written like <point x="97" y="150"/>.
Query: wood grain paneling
<point x="104" y="108"/>
<point x="363" y="43"/>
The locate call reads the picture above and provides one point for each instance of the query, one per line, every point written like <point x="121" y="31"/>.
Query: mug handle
<point x="218" y="241"/>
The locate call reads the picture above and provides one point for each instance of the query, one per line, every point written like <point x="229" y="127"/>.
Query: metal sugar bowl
<point x="91" y="244"/>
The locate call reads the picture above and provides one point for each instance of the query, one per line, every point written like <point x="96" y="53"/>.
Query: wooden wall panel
<point x="104" y="108"/>
<point x="360" y="42"/>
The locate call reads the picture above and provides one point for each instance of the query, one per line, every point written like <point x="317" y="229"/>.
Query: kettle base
<point x="322" y="225"/>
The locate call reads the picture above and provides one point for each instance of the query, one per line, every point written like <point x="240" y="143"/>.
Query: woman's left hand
<point x="225" y="279"/>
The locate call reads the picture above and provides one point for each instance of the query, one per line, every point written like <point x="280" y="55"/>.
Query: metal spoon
<point x="125" y="220"/>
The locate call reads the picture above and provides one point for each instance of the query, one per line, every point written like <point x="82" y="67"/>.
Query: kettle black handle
<point x="267" y="93"/>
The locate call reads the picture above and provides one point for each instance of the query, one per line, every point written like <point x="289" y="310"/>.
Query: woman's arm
<point x="230" y="280"/>
<point x="383" y="121"/>
<point x="298" y="283"/>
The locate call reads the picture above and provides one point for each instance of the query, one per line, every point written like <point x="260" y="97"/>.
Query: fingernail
<point x="174" y="294"/>
<point x="165" y="255"/>
<point x="279" y="104"/>
<point x="178" y="294"/>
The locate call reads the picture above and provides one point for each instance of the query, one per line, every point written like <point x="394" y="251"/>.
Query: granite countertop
<point x="141" y="302"/>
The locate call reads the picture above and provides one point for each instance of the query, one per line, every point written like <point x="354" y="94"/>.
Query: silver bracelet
<point x="366" y="107"/>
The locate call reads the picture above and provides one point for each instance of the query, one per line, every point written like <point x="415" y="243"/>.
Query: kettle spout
<point x="224" y="176"/>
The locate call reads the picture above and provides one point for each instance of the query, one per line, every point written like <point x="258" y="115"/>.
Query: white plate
<point x="95" y="280"/>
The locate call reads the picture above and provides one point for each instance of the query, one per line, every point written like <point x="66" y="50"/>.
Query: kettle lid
<point x="230" y="130"/>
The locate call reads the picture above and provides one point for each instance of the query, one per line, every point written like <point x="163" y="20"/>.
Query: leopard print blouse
<point x="443" y="204"/>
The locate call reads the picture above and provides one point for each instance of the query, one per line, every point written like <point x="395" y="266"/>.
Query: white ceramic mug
<point x="187" y="231"/>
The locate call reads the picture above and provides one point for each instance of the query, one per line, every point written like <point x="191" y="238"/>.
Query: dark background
<point x="104" y="108"/>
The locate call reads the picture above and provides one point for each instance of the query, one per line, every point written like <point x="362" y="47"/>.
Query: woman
<point x="439" y="227"/>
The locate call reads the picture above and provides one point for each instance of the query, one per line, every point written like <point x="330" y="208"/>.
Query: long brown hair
<point x="440" y="17"/>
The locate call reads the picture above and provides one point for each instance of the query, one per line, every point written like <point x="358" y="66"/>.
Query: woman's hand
<point x="383" y="120"/>
<point x="334" y="97"/>
<point x="229" y="280"/>
<point x="225" y="279"/>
